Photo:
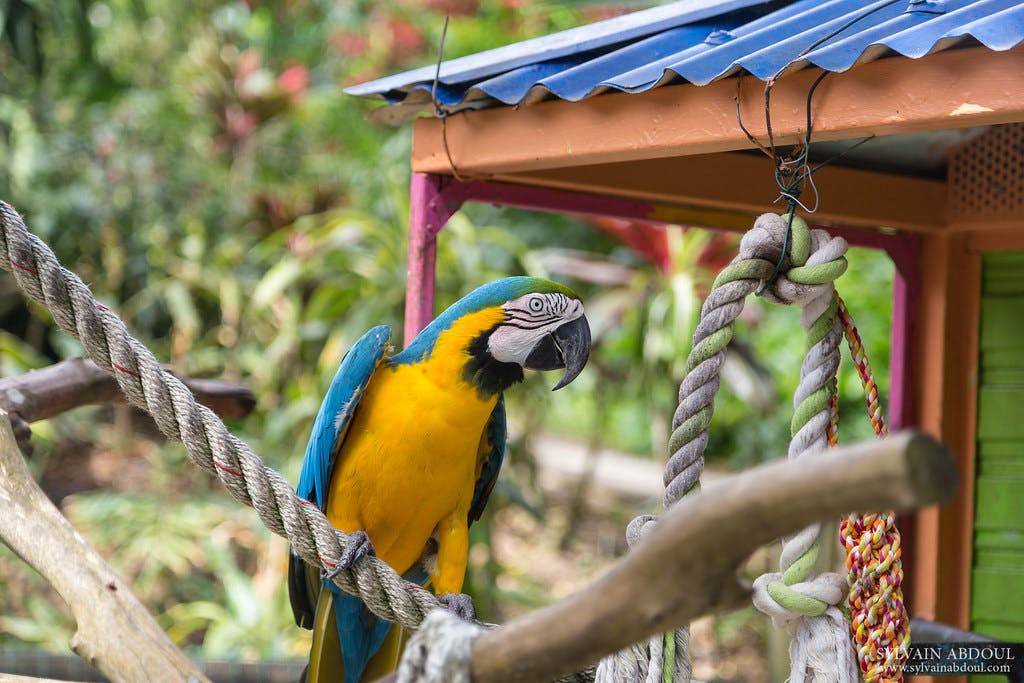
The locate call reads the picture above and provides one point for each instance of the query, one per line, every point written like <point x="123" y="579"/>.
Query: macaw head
<point x="543" y="329"/>
<point x="507" y="325"/>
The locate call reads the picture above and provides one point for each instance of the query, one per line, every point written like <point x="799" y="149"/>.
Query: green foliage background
<point x="199" y="166"/>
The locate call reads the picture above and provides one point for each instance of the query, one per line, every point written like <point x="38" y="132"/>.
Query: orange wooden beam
<point x="744" y="183"/>
<point x="997" y="239"/>
<point x="949" y="89"/>
<point x="946" y="353"/>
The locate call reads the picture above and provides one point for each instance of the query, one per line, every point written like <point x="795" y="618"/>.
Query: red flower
<point x="294" y="81"/>
<point x="350" y="43"/>
<point x="406" y="37"/>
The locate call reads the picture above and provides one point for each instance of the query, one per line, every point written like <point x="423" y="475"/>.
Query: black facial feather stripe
<point x="552" y="307"/>
<point x="512" y="315"/>
<point x="518" y="325"/>
<point x="523" y="315"/>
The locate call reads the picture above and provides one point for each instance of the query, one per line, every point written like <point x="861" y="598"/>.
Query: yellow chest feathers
<point x="432" y="397"/>
<point x="410" y="458"/>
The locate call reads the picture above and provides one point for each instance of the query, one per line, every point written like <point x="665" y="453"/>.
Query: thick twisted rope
<point x="805" y="604"/>
<point x="208" y="442"/>
<point x="786" y="268"/>
<point x="879" y="622"/>
<point x="211" y="447"/>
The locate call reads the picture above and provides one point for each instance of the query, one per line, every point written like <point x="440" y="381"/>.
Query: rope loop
<point x="786" y="262"/>
<point x="440" y="651"/>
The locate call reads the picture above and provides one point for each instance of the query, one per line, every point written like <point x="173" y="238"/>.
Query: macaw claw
<point x="459" y="604"/>
<point x="358" y="547"/>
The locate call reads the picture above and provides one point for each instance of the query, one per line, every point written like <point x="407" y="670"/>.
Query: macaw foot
<point x="460" y="604"/>
<point x="358" y="547"/>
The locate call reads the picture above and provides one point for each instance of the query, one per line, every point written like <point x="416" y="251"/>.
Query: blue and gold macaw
<point x="406" y="448"/>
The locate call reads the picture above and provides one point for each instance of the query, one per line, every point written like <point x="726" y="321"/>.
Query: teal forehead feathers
<point x="486" y="296"/>
<point x="498" y="292"/>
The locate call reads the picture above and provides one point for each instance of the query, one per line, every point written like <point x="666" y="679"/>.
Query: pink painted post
<point x="433" y="200"/>
<point x="906" y="299"/>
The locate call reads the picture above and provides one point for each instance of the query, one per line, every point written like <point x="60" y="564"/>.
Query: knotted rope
<point x="440" y="651"/>
<point x="209" y="444"/>
<point x="786" y="266"/>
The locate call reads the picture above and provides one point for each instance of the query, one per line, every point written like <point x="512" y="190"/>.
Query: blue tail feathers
<point x="360" y="631"/>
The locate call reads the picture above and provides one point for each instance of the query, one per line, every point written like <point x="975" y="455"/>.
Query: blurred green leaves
<point x="198" y="165"/>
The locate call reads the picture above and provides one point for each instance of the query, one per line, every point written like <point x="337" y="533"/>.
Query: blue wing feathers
<point x="493" y="453"/>
<point x="361" y="633"/>
<point x="359" y="640"/>
<point x="336" y="412"/>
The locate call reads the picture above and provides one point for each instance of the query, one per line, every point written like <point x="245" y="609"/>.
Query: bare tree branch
<point x="687" y="567"/>
<point x="43" y="393"/>
<point x="53" y="390"/>
<point x="116" y="634"/>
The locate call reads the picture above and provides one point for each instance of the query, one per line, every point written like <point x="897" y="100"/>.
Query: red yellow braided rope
<point x="879" y="621"/>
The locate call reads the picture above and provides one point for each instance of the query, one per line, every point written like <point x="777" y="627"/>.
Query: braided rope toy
<point x="879" y="622"/>
<point x="813" y="261"/>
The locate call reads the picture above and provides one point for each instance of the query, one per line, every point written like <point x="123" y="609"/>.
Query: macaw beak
<point x="567" y="347"/>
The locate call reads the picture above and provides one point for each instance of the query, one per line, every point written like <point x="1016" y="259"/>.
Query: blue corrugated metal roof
<point x="699" y="41"/>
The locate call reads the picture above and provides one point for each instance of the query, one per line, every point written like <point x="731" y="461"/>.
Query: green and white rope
<point x="796" y="268"/>
<point x="797" y="600"/>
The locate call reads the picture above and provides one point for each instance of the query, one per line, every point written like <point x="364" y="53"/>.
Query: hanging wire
<point x="879" y="616"/>
<point x="792" y="172"/>
<point x="441" y="111"/>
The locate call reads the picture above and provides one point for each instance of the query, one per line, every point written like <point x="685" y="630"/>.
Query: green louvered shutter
<point x="997" y="578"/>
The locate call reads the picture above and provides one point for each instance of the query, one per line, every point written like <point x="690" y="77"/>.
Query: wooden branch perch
<point x="69" y="384"/>
<point x="53" y="390"/>
<point x="687" y="567"/>
<point x="115" y="633"/>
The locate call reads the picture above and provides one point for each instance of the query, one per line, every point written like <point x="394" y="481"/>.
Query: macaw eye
<point x="536" y="304"/>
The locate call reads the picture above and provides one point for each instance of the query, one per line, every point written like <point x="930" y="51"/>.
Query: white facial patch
<point x="527" y="320"/>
